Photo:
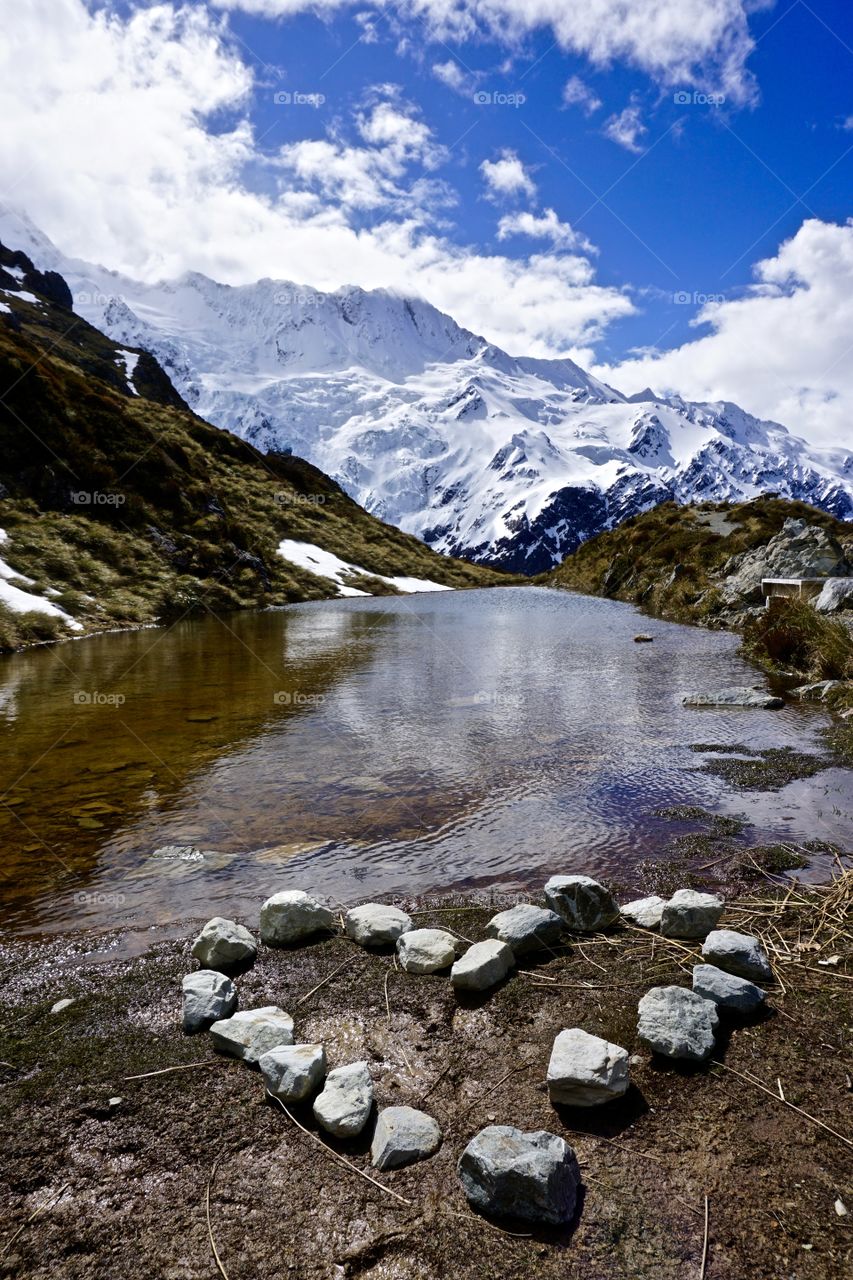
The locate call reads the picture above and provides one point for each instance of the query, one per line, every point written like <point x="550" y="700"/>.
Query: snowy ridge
<point x="510" y="461"/>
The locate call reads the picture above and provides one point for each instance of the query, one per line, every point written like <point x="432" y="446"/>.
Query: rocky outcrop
<point x="798" y="550"/>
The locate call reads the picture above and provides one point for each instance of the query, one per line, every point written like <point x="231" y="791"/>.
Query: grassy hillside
<point x="126" y="508"/>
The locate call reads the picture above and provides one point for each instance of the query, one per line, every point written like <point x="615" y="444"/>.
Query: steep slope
<point x="119" y="506"/>
<point x="510" y="462"/>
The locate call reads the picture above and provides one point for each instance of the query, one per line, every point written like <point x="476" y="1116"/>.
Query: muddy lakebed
<point x="373" y="747"/>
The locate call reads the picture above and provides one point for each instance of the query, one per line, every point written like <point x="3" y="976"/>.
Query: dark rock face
<point x="23" y="277"/>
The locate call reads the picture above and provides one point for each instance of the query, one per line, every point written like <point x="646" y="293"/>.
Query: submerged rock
<point x="253" y="1032"/>
<point x="726" y="989"/>
<point x="586" y="1071"/>
<point x="223" y="944"/>
<point x="293" y="1071"/>
<point x="426" y="950"/>
<point x="678" y="1023"/>
<point x="737" y="953"/>
<point x="482" y="966"/>
<point x="508" y="1173"/>
<point x="738" y="696"/>
<point x="376" y="925"/>
<point x="584" y="904"/>
<point x="344" y="1106"/>
<point x="208" y="996"/>
<point x="402" y="1136"/>
<point x="689" y="914"/>
<point x="291" y="916"/>
<point x="645" y="912"/>
<point x="526" y="928"/>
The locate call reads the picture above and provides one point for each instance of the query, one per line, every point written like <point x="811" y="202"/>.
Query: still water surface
<point x="367" y="746"/>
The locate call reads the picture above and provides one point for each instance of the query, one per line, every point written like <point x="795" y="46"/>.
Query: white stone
<point x="62" y="1004"/>
<point x="376" y="925"/>
<point x="426" y="950"/>
<point x="253" y="1032"/>
<point x="291" y="916"/>
<point x="737" y="953"/>
<point x="208" y="995"/>
<point x="677" y="1023"/>
<point x="510" y="1174"/>
<point x="402" y="1136"/>
<point x="526" y="928"/>
<point x="645" y="912"/>
<point x="726" y="989"/>
<point x="584" y="904"/>
<point x="482" y="965"/>
<point x="689" y="914"/>
<point x="585" y="1070"/>
<point x="223" y="944"/>
<point x="344" y="1106"/>
<point x="293" y="1071"/>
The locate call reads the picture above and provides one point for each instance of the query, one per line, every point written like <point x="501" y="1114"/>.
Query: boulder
<point x="584" y="904"/>
<point x="738" y="696"/>
<point x="293" y="1071"/>
<point x="798" y="550"/>
<point x="585" y="1070"/>
<point x="836" y="593"/>
<point x="224" y="945"/>
<point x="291" y="916"/>
<point x="817" y="691"/>
<point x="426" y="950"/>
<point x="726" y="989"/>
<point x="677" y="1023"/>
<point x="253" y="1032"/>
<point x="402" y="1136"/>
<point x="737" y="953"/>
<point x="376" y="925"/>
<point x="344" y="1106"/>
<point x="689" y="914"/>
<point x="526" y="928"/>
<point x="645" y="912"/>
<point x="482" y="966"/>
<point x="208" y="995"/>
<point x="532" y="1176"/>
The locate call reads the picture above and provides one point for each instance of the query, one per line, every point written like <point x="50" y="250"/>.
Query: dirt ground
<point x="112" y="1178"/>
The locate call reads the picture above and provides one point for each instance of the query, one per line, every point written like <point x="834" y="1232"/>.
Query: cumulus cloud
<point x="626" y="129"/>
<point x="507" y="176"/>
<point x="704" y="42"/>
<point x="578" y="94"/>
<point x="128" y="142"/>
<point x="545" y="226"/>
<point x="784" y="351"/>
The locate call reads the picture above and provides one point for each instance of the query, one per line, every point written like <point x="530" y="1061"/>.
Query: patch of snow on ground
<point x="327" y="565"/>
<point x="129" y="359"/>
<point x="22" y="296"/>
<point x="3" y="307"/>
<point x="20" y="601"/>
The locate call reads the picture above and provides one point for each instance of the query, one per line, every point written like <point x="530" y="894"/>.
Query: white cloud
<point x="545" y="226"/>
<point x="702" y="42"/>
<point x="785" y="351"/>
<point x="126" y="139"/>
<point x="507" y="176"/>
<point x="626" y="129"/>
<point x="451" y="74"/>
<point x="578" y="94"/>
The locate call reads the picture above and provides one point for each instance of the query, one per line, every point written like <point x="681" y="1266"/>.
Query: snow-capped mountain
<point x="509" y="461"/>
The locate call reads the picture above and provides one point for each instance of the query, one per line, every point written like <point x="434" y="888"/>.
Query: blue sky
<point x="659" y="189"/>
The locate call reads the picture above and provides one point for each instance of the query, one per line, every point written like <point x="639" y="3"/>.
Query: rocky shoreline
<point x="123" y="1127"/>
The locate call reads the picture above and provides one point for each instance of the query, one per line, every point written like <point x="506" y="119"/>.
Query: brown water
<point x="367" y="746"/>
